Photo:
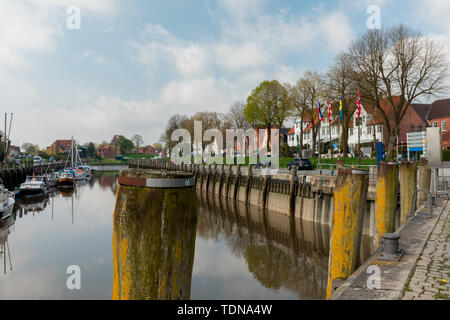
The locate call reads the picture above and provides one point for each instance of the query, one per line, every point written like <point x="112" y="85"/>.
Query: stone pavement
<point x="431" y="277"/>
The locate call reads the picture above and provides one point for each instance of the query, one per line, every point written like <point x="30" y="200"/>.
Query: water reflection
<point x="280" y="252"/>
<point x="6" y="227"/>
<point x="168" y="247"/>
<point x="153" y="243"/>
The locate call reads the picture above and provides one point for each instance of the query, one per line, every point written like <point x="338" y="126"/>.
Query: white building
<point x="367" y="129"/>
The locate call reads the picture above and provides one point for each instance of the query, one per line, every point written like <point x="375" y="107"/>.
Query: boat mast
<point x="71" y="155"/>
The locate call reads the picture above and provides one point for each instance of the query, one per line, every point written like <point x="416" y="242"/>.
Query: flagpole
<point x="331" y="149"/>
<point x="359" y="142"/>
<point x="320" y="167"/>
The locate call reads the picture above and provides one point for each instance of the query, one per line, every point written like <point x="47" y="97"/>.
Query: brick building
<point x="59" y="147"/>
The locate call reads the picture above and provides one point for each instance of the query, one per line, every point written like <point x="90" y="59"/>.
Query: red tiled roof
<point x="439" y="109"/>
<point x="65" y="144"/>
<point x="292" y="131"/>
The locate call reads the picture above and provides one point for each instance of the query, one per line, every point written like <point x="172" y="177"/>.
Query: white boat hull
<point x="6" y="208"/>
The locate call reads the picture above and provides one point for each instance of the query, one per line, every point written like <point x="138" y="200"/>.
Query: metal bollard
<point x="391" y="250"/>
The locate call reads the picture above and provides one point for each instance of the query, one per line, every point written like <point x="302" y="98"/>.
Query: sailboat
<point x="66" y="177"/>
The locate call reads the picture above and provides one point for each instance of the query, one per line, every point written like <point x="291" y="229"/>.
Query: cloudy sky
<point x="134" y="63"/>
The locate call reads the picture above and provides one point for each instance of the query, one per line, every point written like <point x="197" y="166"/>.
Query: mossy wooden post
<point x="386" y="200"/>
<point x="237" y="181"/>
<point x="214" y="175"/>
<point x="208" y="177"/>
<point x="424" y="180"/>
<point x="265" y="188"/>
<point x="154" y="230"/>
<point x="247" y="182"/>
<point x="292" y="191"/>
<point x="221" y="178"/>
<point x="350" y="194"/>
<point x="228" y="179"/>
<point x="408" y="185"/>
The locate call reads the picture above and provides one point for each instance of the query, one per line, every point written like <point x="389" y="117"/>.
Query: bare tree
<point x="398" y="65"/>
<point x="235" y="116"/>
<point x="313" y="85"/>
<point x="175" y="122"/>
<point x="342" y="84"/>
<point x="138" y="141"/>
<point x="299" y="101"/>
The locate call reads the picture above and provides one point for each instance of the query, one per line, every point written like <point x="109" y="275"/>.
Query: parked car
<point x="301" y="164"/>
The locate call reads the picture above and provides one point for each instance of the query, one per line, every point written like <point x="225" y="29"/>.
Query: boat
<point x="73" y="173"/>
<point x="66" y="178"/>
<point x="7" y="200"/>
<point x="87" y="171"/>
<point x="79" y="174"/>
<point x="52" y="179"/>
<point x="34" y="186"/>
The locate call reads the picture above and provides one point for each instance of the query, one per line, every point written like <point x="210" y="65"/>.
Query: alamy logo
<point x="374" y="280"/>
<point x="74" y="280"/>
<point x="240" y="145"/>
<point x="74" y="19"/>
<point x="374" y="20"/>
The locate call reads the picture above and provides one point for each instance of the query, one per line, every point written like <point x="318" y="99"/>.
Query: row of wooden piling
<point x="350" y="194"/>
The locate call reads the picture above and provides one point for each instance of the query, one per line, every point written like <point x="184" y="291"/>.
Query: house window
<point x="411" y="129"/>
<point x="379" y="129"/>
<point x="419" y="128"/>
<point x="443" y="125"/>
<point x="351" y="131"/>
<point x="435" y="124"/>
<point x="369" y="130"/>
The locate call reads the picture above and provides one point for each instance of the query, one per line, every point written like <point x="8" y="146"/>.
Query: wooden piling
<point x="237" y="180"/>
<point x="265" y="188"/>
<point x="408" y="185"/>
<point x="247" y="183"/>
<point x="154" y="232"/>
<point x="292" y="192"/>
<point x="228" y="179"/>
<point x="424" y="180"/>
<point x="350" y="194"/>
<point x="386" y="200"/>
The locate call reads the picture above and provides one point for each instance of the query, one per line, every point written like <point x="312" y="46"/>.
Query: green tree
<point x="125" y="145"/>
<point x="266" y="106"/>
<point x="157" y="146"/>
<point x="91" y="150"/>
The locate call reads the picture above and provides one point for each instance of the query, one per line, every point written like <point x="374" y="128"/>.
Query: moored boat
<point x="52" y="179"/>
<point x="34" y="186"/>
<point x="7" y="200"/>
<point x="66" y="179"/>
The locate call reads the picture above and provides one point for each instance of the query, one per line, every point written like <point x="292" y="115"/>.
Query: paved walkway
<point x="431" y="277"/>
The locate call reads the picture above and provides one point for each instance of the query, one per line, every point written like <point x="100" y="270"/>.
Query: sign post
<point x="416" y="141"/>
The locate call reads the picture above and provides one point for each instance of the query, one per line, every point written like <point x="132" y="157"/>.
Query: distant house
<point x="59" y="147"/>
<point x="147" y="150"/>
<point x="108" y="152"/>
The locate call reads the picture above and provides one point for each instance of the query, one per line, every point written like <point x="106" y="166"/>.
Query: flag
<point x="329" y="111"/>
<point x="358" y="105"/>
<point x="341" y="115"/>
<point x="320" y="112"/>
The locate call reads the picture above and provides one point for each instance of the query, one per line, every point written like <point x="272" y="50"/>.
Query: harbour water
<point x="239" y="252"/>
